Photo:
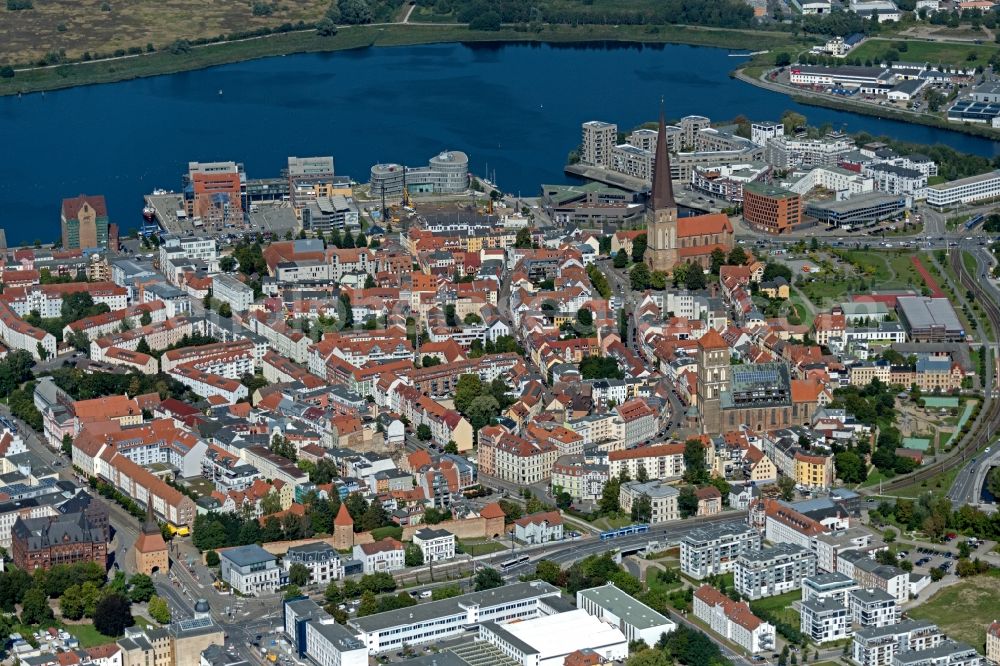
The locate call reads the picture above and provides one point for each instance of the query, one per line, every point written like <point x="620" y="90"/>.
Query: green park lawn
<point x="929" y="52"/>
<point x="965" y="609"/>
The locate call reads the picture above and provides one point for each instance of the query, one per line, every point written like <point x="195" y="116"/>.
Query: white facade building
<point x="772" y="571"/>
<point x="714" y="549"/>
<point x="436" y="545"/>
<point x="249" y="570"/>
<point x="824" y="620"/>
<point x="635" y="619"/>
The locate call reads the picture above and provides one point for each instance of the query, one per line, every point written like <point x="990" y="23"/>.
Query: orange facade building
<point x="773" y="210"/>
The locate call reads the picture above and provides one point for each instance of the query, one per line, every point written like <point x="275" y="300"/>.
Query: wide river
<point x="515" y="109"/>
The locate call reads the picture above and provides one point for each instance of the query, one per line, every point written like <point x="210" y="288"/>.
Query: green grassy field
<point x="929" y="52"/>
<point x="965" y="609"/>
<point x="781" y="606"/>
<point x="356" y="37"/>
<point x="476" y="547"/>
<point x="88" y="635"/>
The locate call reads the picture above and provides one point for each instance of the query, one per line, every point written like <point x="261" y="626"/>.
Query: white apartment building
<point x="948" y="653"/>
<point x="873" y="608"/>
<point x="47" y="300"/>
<point x="250" y="570"/>
<point x="761" y="133"/>
<point x="831" y="178"/>
<point x="632" y="161"/>
<point x="19" y="334"/>
<point x="733" y="620"/>
<point x="436" y="545"/>
<point x="896" y="179"/>
<point x="785" y="152"/>
<point x="834" y="586"/>
<point x="878" y="646"/>
<point x="714" y="549"/>
<point x="320" y="558"/>
<point x="871" y="575"/>
<point x="540" y="527"/>
<point x="824" y="620"/>
<point x="984" y="187"/>
<point x="228" y="289"/>
<point x="662" y="500"/>
<point x="207" y="384"/>
<point x="598" y="138"/>
<point x="661" y="461"/>
<point x="386" y="555"/>
<point x="774" y="570"/>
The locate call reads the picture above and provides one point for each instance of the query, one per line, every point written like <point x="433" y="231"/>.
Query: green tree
<point x="145" y="319"/>
<point x="718" y="258"/>
<point x="112" y="615"/>
<point x="368" y="605"/>
<point x="522" y="240"/>
<point x="159" y="610"/>
<point x="642" y="509"/>
<point x="639" y="248"/>
<point x="482" y="410"/>
<point x="212" y="558"/>
<point x="640" y="277"/>
<point x="548" y="571"/>
<point x="488" y="578"/>
<point x="374" y="517"/>
<point x="850" y="467"/>
<point x="35" y="606"/>
<point x="786" y="486"/>
<point x="71" y="605"/>
<point x="737" y="257"/>
<point x="489" y="20"/>
<point x="609" y="502"/>
<point x="143" y="346"/>
<point x="695" y="468"/>
<point x="621" y="259"/>
<point x="424" y="433"/>
<point x="445" y="592"/>
<point x="687" y="502"/>
<point x="354" y="12"/>
<point x="299" y="574"/>
<point x="695" y="278"/>
<point x="270" y="503"/>
<point x="468" y="388"/>
<point x="414" y="557"/>
<point x="141" y="588"/>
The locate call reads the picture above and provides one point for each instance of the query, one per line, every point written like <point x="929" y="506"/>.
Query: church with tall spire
<point x="670" y="239"/>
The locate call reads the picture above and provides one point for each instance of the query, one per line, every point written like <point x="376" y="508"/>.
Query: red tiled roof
<point x="71" y="207"/>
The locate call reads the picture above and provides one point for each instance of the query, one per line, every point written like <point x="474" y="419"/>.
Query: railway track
<point x="989" y="416"/>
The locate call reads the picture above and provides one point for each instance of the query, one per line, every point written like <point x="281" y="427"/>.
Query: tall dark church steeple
<point x="663" y="187"/>
<point x="661" y="215"/>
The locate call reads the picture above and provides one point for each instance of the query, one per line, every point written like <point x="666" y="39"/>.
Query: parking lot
<point x="926" y="558"/>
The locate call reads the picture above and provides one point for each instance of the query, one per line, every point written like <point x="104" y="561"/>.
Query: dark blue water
<point x="516" y="108"/>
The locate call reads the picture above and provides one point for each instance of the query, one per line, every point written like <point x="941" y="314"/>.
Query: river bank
<point x="986" y="132"/>
<point x="355" y="37"/>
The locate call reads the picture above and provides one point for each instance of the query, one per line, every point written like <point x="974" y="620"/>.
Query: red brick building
<point x="41" y="543"/>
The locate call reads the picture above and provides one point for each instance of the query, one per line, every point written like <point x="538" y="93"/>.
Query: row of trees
<point x="221" y="530"/>
<point x="83" y="590"/>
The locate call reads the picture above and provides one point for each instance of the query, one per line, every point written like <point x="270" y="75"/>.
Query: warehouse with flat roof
<point x="547" y="641"/>
<point x="635" y="619"/>
<point x="929" y="319"/>
<point x="438" y="620"/>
